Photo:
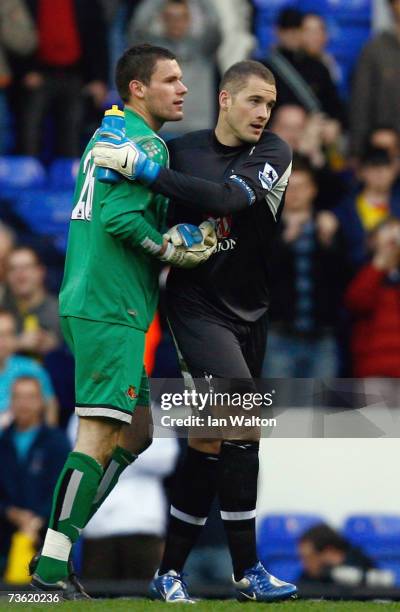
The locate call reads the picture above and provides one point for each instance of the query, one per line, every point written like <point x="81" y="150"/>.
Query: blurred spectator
<point x="7" y="243"/>
<point x="70" y="65"/>
<point x="360" y="212"/>
<point x="31" y="457"/>
<point x="17" y="35"/>
<point x="373" y="299"/>
<point x="327" y="557"/>
<point x="308" y="272"/>
<point x="238" y="42"/>
<point x="385" y="137"/>
<point x="314" y="39"/>
<point x="301" y="78"/>
<point x="191" y="31"/>
<point x="35" y="309"/>
<point x="124" y="540"/>
<point x="375" y="98"/>
<point x="316" y="138"/>
<point x="13" y="366"/>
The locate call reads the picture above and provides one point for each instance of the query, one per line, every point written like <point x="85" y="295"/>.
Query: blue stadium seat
<point x="20" y="172"/>
<point x="272" y="7"/>
<point x="278" y="533"/>
<point x="393" y="566"/>
<point x="284" y="568"/>
<point x="354" y="11"/>
<point x="377" y="534"/>
<point x="46" y="213"/>
<point x="63" y="173"/>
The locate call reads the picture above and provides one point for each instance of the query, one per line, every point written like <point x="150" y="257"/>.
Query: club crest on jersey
<point x="223" y="226"/>
<point x="132" y="392"/>
<point x="267" y="177"/>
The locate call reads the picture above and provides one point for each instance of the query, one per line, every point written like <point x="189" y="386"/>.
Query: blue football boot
<point x="170" y="587"/>
<point x="258" y="585"/>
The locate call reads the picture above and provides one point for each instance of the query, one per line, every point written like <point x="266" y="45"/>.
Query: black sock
<point x="193" y="493"/>
<point x="237" y="490"/>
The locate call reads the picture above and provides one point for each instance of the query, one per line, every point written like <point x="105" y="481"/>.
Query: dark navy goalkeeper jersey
<point x="244" y="194"/>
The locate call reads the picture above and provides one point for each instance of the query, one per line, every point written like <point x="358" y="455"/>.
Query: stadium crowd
<point x="335" y="269"/>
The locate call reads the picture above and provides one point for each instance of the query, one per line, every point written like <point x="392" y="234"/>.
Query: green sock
<point x="120" y="459"/>
<point x="72" y="501"/>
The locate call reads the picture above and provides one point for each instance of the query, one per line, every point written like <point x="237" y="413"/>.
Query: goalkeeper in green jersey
<point x="107" y="301"/>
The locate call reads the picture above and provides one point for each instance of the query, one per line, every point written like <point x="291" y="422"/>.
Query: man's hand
<point x="184" y="234"/>
<point x="327" y="225"/>
<point x="190" y="256"/>
<point x="115" y="151"/>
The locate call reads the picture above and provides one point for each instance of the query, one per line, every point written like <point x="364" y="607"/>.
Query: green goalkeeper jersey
<point x="108" y="276"/>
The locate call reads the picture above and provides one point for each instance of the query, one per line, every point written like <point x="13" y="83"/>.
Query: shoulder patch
<point x="268" y="176"/>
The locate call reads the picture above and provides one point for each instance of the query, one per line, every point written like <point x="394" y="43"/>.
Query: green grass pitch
<point x="142" y="605"/>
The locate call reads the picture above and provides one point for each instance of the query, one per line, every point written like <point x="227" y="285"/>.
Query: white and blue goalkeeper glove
<point x="189" y="245"/>
<point x="184" y="234"/>
<point x="115" y="151"/>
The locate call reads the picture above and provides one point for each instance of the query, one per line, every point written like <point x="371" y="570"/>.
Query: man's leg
<point x="194" y="490"/>
<point x="197" y="478"/>
<point x="237" y="491"/>
<point x="132" y="440"/>
<point x="74" y="494"/>
<point x="106" y="380"/>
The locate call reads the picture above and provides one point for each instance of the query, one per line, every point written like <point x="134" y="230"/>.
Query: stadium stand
<point x="348" y="24"/>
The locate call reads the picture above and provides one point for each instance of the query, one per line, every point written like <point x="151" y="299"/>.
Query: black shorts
<point x="210" y="345"/>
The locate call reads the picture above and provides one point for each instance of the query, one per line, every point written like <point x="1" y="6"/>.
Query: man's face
<point x="289" y="38"/>
<point x="7" y="336"/>
<point x="27" y="403"/>
<point x="248" y="112"/>
<point x="314" y="561"/>
<point x="379" y="177"/>
<point x="24" y="274"/>
<point x="313" y="35"/>
<point x="300" y="193"/>
<point x="176" y="18"/>
<point x="290" y="123"/>
<point x="310" y="559"/>
<point x="164" y="94"/>
<point x="387" y="237"/>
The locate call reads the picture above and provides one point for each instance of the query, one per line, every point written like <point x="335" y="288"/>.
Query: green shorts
<point x="110" y="378"/>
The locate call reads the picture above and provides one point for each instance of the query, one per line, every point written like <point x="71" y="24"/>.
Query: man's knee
<point x="97" y="437"/>
<point x="139" y="435"/>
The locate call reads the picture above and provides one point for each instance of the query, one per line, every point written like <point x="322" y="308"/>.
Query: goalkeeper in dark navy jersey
<point x="235" y="175"/>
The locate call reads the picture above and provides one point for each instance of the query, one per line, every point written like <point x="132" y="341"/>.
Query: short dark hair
<point x="138" y="63"/>
<point x="301" y="163"/>
<point x="322" y="536"/>
<point x="237" y="75"/>
<point x="289" y="18"/>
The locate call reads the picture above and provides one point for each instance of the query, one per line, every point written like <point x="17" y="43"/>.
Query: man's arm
<point x="122" y="219"/>
<point x="248" y="185"/>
